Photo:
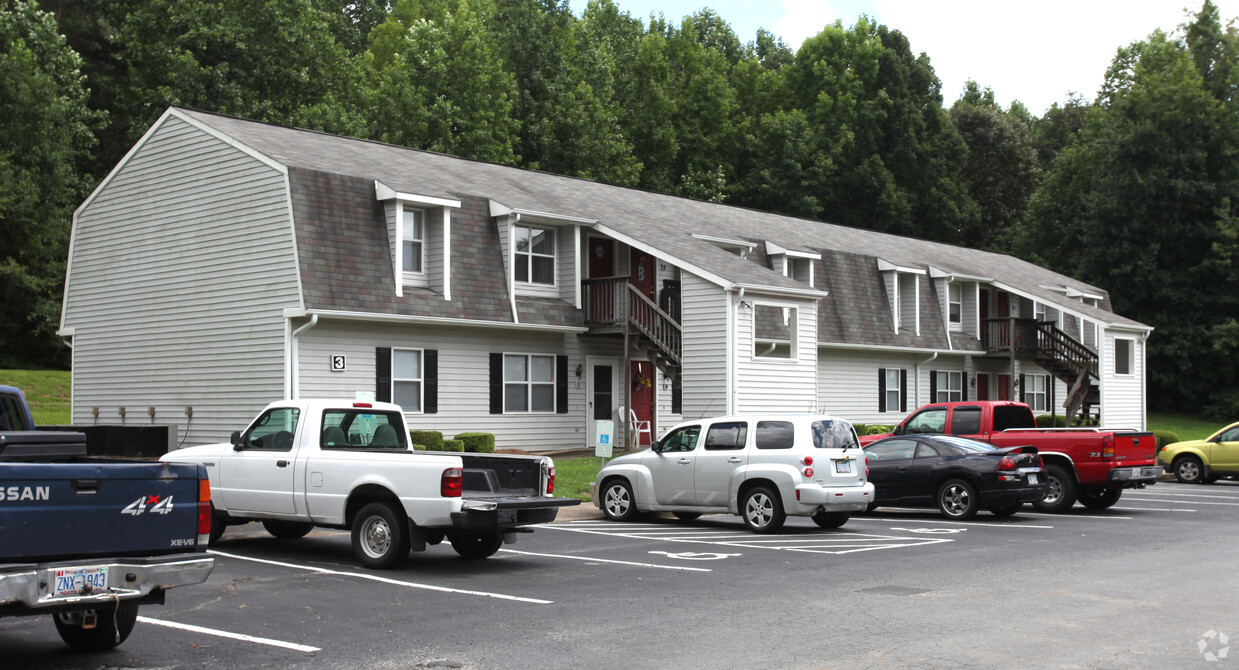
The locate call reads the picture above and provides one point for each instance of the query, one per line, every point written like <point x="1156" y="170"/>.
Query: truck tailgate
<point x="1135" y="448"/>
<point x="114" y="508"/>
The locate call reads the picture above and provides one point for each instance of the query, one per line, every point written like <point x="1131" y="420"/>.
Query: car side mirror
<point x="898" y="430"/>
<point x="236" y="440"/>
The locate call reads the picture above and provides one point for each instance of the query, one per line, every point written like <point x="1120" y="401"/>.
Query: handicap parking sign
<point x="603" y="431"/>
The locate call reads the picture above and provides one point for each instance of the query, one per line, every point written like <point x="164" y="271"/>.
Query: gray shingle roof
<point x="343" y="241"/>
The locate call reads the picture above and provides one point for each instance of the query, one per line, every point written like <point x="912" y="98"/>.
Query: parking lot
<point x="1138" y="585"/>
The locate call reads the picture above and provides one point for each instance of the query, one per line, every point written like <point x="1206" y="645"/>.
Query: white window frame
<point x="528" y="383"/>
<point x="955" y="303"/>
<point x="1038" y="311"/>
<point x="763" y="349"/>
<point x="893" y="391"/>
<point x="525" y="257"/>
<point x="950" y="386"/>
<point x="416" y="219"/>
<point x="1129" y="360"/>
<point x="419" y="380"/>
<point x="1037" y="392"/>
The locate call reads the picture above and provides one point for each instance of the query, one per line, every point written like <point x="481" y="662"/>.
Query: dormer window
<point x="414" y="240"/>
<point x="955" y="303"/>
<point x="535" y="255"/>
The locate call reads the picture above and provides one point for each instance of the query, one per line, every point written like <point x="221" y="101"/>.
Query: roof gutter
<point x="431" y="320"/>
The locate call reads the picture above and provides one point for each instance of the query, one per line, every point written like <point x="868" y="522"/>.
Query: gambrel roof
<point x="346" y="267"/>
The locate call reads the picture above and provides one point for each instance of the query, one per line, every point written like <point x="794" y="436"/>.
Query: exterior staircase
<point x="613" y="305"/>
<point x="1065" y="358"/>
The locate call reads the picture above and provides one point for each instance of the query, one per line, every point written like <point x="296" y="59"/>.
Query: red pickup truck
<point x="1087" y="464"/>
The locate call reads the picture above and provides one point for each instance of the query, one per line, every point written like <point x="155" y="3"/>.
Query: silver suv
<point x="762" y="467"/>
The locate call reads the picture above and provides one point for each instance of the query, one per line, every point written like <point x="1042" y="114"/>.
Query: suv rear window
<point x="775" y="435"/>
<point x="834" y="435"/>
<point x="1013" y="416"/>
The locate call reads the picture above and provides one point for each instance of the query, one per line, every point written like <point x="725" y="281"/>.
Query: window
<point x="931" y="421"/>
<point x="1012" y="416"/>
<point x="535" y="255"/>
<point x="528" y="383"/>
<point x="775" y="435"/>
<point x="406" y="379"/>
<point x="1038" y="311"/>
<point x="774" y="331"/>
<point x="949" y="386"/>
<point x="362" y="428"/>
<point x="1231" y="435"/>
<point x="891" y="450"/>
<point x="725" y="436"/>
<point x="683" y="439"/>
<point x="966" y="421"/>
<point x="1124" y="362"/>
<point x="414" y="240"/>
<point x="926" y="451"/>
<point x="1035" y="394"/>
<point x="955" y="303"/>
<point x="893" y="394"/>
<point x="834" y="435"/>
<point x="274" y="430"/>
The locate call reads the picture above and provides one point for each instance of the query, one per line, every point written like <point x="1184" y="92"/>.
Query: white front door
<point x="602" y="401"/>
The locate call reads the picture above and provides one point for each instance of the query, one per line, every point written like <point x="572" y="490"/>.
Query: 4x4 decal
<point x="152" y="504"/>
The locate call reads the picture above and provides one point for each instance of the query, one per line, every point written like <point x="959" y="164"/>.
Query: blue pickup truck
<point x="90" y="540"/>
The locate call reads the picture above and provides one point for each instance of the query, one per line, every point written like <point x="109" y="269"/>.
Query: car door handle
<point x="684" y="461"/>
<point x="735" y="459"/>
<point x="281" y="464"/>
<point x="903" y="469"/>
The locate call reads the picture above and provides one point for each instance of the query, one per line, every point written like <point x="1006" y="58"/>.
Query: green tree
<point x="1142" y="202"/>
<point x="46" y="133"/>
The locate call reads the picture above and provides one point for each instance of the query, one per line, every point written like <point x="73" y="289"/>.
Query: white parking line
<point x="1075" y="516"/>
<point x="232" y="636"/>
<point x="383" y="580"/>
<point x="824" y="543"/>
<point x="878" y="519"/>
<point x="1179" y="493"/>
<point x="607" y="560"/>
<point x="1153" y="509"/>
<point x="1193" y="502"/>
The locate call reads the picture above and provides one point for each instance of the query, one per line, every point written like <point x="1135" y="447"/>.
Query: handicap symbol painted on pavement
<point x="933" y="531"/>
<point x="695" y="556"/>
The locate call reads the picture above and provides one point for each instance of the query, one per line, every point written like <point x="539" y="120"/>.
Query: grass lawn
<point x="574" y="475"/>
<point x="47" y="391"/>
<point x="1186" y="427"/>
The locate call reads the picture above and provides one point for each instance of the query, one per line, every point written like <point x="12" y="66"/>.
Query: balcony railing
<point x="1040" y="339"/>
<point x="613" y="301"/>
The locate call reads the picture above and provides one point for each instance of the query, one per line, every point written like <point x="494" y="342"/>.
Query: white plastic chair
<point x="638" y="427"/>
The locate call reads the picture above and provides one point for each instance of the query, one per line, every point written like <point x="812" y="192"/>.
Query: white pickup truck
<point x="349" y="465"/>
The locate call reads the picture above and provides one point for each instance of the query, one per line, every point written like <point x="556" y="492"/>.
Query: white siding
<point x="970" y="310"/>
<point x="890" y="280"/>
<point x="847" y="383"/>
<point x="771" y="384"/>
<point x="704" y="308"/>
<point x="464" y="377"/>
<point x="434" y="249"/>
<point x="181" y="268"/>
<point x="1122" y="396"/>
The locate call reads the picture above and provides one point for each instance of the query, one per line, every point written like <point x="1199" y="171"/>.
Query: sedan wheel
<point x="763" y="510"/>
<point x="958" y="500"/>
<point x="617" y="501"/>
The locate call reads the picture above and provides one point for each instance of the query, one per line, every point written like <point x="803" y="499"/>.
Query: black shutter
<point x="496" y="383"/>
<point x="903" y="390"/>
<point x="881" y="389"/>
<point x="933" y="386"/>
<point x="430" y="380"/>
<point x="677" y="396"/>
<point x="382" y="374"/>
<point x="1021" y="388"/>
<point x="561" y="384"/>
<point x="963" y="386"/>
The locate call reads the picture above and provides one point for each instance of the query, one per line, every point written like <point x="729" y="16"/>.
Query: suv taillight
<point x="452" y="484"/>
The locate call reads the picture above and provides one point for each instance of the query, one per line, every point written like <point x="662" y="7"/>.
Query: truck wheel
<point x="1188" y="469"/>
<point x="957" y="500"/>
<point x="287" y="530"/>
<point x="380" y="536"/>
<point x="831" y="519"/>
<point x="476" y="545"/>
<point x="617" y="501"/>
<point x="1100" y="498"/>
<point x="1062" y="490"/>
<point x="113" y="624"/>
<point x="219" y="524"/>
<point x="1006" y="510"/>
<point x="762" y="510"/>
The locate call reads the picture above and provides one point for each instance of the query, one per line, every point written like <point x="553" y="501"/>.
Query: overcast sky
<point x="1036" y="53"/>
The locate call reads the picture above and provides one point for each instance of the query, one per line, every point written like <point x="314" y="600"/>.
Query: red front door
<point x="982" y="387"/>
<point x="641" y="272"/>
<point x="642" y="379"/>
<point x="601" y="257"/>
<point x="1004" y="387"/>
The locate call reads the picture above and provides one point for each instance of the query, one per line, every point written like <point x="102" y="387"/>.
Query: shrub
<point x="1165" y="437"/>
<point x="452" y="445"/>
<point x="419" y="447"/>
<point x="430" y="439"/>
<point x="874" y="429"/>
<point x="478" y="443"/>
<point x="1051" y="421"/>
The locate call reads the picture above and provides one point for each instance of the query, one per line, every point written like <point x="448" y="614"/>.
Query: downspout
<point x="1144" y="381"/>
<point x="916" y="370"/>
<point x="732" y="384"/>
<point x="296" y="362"/>
<point x="511" y="263"/>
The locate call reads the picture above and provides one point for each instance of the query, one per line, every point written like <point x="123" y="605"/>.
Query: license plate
<point x="69" y="582"/>
<point x="843" y="467"/>
<point x="1032" y="479"/>
<point x="507" y="516"/>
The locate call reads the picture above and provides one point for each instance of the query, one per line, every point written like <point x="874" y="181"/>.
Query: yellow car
<point x="1203" y="461"/>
